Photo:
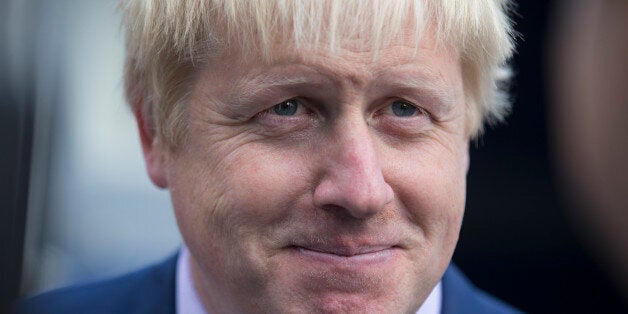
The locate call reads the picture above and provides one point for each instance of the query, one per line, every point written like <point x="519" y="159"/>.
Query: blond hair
<point x="168" y="39"/>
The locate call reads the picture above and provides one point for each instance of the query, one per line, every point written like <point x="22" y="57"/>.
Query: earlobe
<point x="152" y="149"/>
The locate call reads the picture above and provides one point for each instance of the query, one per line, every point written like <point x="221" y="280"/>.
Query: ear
<point x="153" y="149"/>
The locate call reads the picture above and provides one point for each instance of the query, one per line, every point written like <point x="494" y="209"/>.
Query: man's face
<point x="322" y="181"/>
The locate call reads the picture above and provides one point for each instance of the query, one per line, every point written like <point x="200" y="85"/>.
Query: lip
<point x="346" y="256"/>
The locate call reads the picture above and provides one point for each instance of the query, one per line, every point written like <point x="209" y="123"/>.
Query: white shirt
<point x="188" y="301"/>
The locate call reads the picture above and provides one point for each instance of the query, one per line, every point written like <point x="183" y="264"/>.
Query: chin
<point x="359" y="304"/>
<point x="314" y="284"/>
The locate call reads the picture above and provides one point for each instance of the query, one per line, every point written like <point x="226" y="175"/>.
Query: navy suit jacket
<point x="152" y="290"/>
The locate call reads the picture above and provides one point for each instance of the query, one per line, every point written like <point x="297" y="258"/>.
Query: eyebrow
<point x="249" y="91"/>
<point x="426" y="84"/>
<point x="256" y="86"/>
<point x="251" y="87"/>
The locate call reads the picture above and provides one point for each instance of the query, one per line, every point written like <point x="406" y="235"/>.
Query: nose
<point x="352" y="179"/>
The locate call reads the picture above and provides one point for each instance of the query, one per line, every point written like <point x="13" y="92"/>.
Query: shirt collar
<point x="189" y="302"/>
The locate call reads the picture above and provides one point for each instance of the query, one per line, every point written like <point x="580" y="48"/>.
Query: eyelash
<point x="296" y="101"/>
<point x="271" y="116"/>
<point x="420" y="111"/>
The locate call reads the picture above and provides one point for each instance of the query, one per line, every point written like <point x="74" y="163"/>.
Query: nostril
<point x="353" y="199"/>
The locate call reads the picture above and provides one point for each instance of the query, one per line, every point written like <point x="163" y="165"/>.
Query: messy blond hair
<point x="167" y="40"/>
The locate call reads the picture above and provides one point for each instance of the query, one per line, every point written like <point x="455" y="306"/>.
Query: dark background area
<point x="16" y="133"/>
<point x="516" y="242"/>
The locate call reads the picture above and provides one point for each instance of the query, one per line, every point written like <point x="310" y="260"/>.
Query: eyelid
<point x="420" y="109"/>
<point x="269" y="117"/>
<point x="301" y="107"/>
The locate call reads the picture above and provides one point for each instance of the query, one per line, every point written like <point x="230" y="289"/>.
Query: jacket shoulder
<point x="148" y="290"/>
<point x="461" y="296"/>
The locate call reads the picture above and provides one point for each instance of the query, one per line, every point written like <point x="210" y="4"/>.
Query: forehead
<point x="403" y="55"/>
<point x="428" y="71"/>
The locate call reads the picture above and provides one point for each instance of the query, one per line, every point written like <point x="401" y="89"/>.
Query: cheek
<point x="263" y="183"/>
<point x="237" y="193"/>
<point x="230" y="212"/>
<point x="430" y="185"/>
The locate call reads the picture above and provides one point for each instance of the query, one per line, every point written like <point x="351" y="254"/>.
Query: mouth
<point x="341" y="255"/>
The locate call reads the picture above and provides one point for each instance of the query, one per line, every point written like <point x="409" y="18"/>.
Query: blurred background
<point x="75" y="176"/>
<point x="546" y="207"/>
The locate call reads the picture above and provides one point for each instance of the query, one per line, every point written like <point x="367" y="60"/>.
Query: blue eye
<point x="286" y="108"/>
<point x="403" y="108"/>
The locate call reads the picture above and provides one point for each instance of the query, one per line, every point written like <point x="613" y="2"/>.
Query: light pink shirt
<point x="188" y="301"/>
